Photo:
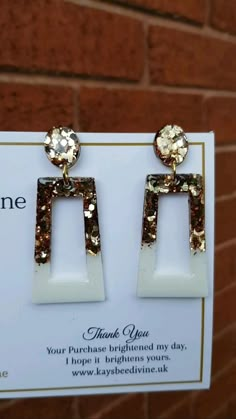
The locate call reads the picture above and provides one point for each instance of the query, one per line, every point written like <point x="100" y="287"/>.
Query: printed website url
<point x="119" y="371"/>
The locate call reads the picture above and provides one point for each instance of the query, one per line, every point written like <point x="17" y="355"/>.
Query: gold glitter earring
<point x="62" y="147"/>
<point x="171" y="146"/>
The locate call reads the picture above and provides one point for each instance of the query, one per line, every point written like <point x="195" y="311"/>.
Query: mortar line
<point x="225" y="245"/>
<point x="76" y="81"/>
<point x="226" y="148"/>
<point x="226" y="197"/>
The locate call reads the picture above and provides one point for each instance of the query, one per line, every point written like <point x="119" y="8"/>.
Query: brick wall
<point x="133" y="66"/>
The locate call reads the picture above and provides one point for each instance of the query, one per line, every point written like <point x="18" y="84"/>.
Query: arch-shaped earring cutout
<point x="63" y="148"/>
<point x="171" y="145"/>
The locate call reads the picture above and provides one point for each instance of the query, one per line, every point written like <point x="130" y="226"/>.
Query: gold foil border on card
<point x="48" y="190"/>
<point x="164" y="184"/>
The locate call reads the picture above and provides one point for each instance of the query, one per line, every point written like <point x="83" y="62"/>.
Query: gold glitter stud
<point x="171" y="145"/>
<point x="62" y="148"/>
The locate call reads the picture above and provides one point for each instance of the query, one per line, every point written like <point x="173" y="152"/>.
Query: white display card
<point x="124" y="343"/>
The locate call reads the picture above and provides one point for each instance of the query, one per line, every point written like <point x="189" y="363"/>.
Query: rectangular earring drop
<point x="62" y="148"/>
<point x="171" y="145"/>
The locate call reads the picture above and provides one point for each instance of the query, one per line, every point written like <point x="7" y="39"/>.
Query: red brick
<point x="220" y="413"/>
<point x="225" y="267"/>
<point x="91" y="405"/>
<point x="219" y="111"/>
<point x="6" y="403"/>
<point x="192" y="9"/>
<point x="34" y="108"/>
<point x="225" y="220"/>
<point x="223" y="15"/>
<point x="205" y="403"/>
<point x="118" y="110"/>
<point x="132" y="407"/>
<point x="160" y="403"/>
<point x="225" y="172"/>
<point x="182" y="411"/>
<point x="42" y="408"/>
<point x="231" y="411"/>
<point x="224" y="350"/>
<point x="62" y="37"/>
<point x="224" y="309"/>
<point x="189" y="59"/>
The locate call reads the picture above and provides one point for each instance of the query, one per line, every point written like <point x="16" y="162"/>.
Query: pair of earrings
<point x="63" y="149"/>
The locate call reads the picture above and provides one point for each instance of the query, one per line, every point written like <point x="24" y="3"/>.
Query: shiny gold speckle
<point x="171" y="145"/>
<point x="48" y="190"/>
<point x="62" y="146"/>
<point x="163" y="184"/>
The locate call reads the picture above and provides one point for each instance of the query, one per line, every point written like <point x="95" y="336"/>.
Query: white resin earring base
<point x="153" y="284"/>
<point x="69" y="290"/>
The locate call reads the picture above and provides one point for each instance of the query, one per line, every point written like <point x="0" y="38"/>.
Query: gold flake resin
<point x="164" y="184"/>
<point x="62" y="146"/>
<point x="48" y="190"/>
<point x="171" y="145"/>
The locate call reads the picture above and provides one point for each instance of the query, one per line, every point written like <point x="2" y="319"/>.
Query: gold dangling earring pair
<point x="63" y="149"/>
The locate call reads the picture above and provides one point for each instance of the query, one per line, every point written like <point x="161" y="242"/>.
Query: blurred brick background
<point x="133" y="66"/>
